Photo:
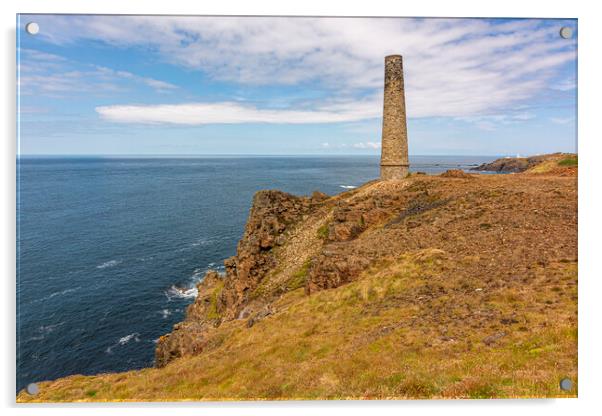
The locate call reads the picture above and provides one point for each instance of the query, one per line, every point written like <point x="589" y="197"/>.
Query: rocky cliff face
<point x="321" y="243"/>
<point x="318" y="235"/>
<point x="272" y="214"/>
<point x="315" y="242"/>
<point x="521" y="164"/>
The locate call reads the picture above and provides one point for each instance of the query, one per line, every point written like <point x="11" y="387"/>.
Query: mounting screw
<point x="566" y="32"/>
<point x="32" y="28"/>
<point x="33" y="389"/>
<point x="566" y="384"/>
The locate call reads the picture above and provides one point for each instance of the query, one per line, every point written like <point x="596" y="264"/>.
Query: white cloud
<point x="366" y="145"/>
<point x="453" y="67"/>
<point x="44" y="73"/>
<point x="492" y="121"/>
<point x="561" y="120"/>
<point x="40" y="57"/>
<point x="234" y="113"/>
<point x="157" y="85"/>
<point x="369" y="145"/>
<point x="565" y="85"/>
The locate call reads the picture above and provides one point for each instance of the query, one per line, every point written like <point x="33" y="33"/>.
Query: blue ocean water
<point x="109" y="249"/>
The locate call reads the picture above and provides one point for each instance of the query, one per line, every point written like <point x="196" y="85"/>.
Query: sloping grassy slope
<point x="408" y="328"/>
<point x="563" y="164"/>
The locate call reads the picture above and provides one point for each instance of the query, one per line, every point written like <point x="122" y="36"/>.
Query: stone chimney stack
<point x="394" y="162"/>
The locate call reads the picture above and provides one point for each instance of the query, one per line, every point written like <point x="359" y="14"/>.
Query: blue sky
<point x="167" y="85"/>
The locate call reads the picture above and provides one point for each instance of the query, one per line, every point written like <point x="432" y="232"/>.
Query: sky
<point x="181" y="85"/>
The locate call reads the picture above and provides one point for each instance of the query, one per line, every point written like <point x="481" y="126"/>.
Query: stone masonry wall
<point x="394" y="154"/>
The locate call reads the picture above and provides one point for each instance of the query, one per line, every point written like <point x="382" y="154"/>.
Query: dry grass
<point x="375" y="338"/>
<point x="563" y="163"/>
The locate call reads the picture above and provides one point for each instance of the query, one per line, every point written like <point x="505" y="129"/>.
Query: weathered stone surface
<point x="519" y="164"/>
<point x="394" y="153"/>
<point x="334" y="268"/>
<point x="271" y="213"/>
<point x="189" y="337"/>
<point x="317" y="197"/>
<point x="492" y="339"/>
<point x="227" y="297"/>
<point x="456" y="173"/>
<point x="266" y="311"/>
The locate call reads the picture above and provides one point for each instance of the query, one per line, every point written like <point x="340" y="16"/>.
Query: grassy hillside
<point x="457" y="286"/>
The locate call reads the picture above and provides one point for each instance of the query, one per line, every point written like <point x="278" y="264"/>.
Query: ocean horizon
<point x="236" y="155"/>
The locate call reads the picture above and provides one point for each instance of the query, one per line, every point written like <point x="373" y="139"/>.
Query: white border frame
<point x="590" y="137"/>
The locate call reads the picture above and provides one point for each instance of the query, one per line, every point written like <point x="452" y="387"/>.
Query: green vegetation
<point x="555" y="164"/>
<point x="212" y="312"/>
<point x="569" y="161"/>
<point x="300" y="276"/>
<point x="323" y="231"/>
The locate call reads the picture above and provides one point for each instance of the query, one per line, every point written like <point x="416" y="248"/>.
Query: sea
<point x="109" y="249"/>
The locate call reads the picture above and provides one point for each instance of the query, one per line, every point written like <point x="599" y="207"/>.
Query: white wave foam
<point x="348" y="186"/>
<point x="59" y="293"/>
<point x="190" y="291"/>
<point x="199" y="242"/>
<point x="110" y="263"/>
<point x="181" y="292"/>
<point x="165" y="313"/>
<point x="49" y="328"/>
<point x="147" y="258"/>
<point x="124" y="340"/>
<point x="202" y="242"/>
<point x="36" y="338"/>
<point x="44" y="330"/>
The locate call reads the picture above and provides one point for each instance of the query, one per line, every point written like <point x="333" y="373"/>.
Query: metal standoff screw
<point x="32" y="28"/>
<point x="33" y="389"/>
<point x="566" y="32"/>
<point x="566" y="384"/>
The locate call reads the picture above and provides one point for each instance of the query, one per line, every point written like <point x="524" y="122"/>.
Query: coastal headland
<point x="456" y="285"/>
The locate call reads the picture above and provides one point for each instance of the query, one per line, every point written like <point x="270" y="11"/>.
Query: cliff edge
<point x="559" y="163"/>
<point x="457" y="285"/>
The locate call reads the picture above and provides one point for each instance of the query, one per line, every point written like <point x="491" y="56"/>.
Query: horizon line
<point x="246" y="154"/>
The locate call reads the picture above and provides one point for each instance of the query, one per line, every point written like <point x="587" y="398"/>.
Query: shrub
<point x="569" y="161"/>
<point x="323" y="232"/>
